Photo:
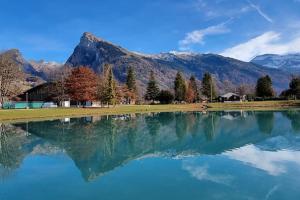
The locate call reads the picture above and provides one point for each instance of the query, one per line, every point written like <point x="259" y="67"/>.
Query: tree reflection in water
<point x="97" y="145"/>
<point x="265" y="121"/>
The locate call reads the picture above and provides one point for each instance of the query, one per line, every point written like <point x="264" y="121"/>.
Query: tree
<point x="192" y="94"/>
<point x="228" y="86"/>
<point x="123" y="93"/>
<point x="179" y="87"/>
<point x="265" y="121"/>
<point x="152" y="88"/>
<point x="132" y="92"/>
<point x="245" y="89"/>
<point x="106" y="89"/>
<point x="208" y="86"/>
<point x="295" y="87"/>
<point x="10" y="76"/>
<point x="110" y="88"/>
<point x="81" y="84"/>
<point x="165" y="97"/>
<point x="130" y="81"/>
<point x="264" y="87"/>
<point x="58" y="78"/>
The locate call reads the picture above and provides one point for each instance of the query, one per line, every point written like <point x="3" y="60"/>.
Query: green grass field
<point x="19" y="115"/>
<point x="255" y="105"/>
<point x="54" y="113"/>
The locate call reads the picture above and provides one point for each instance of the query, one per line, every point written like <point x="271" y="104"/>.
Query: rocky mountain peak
<point x="86" y="36"/>
<point x="94" y="52"/>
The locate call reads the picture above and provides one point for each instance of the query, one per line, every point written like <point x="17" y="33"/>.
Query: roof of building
<point x="229" y="94"/>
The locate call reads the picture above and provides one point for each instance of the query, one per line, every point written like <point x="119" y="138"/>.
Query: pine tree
<point x="152" y="88"/>
<point x="130" y="81"/>
<point x="179" y="87"/>
<point x="208" y="86"/>
<point x="110" y="88"/>
<point x="264" y="87"/>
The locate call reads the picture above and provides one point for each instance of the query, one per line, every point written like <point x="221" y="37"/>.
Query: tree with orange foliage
<point x="190" y="94"/>
<point x="81" y="84"/>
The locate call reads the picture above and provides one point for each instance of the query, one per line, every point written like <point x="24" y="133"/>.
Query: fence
<point x="22" y="105"/>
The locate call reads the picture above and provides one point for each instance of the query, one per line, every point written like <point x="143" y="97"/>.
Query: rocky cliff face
<point x="94" y="52"/>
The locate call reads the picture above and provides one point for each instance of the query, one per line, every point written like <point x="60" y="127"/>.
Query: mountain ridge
<point x="287" y="62"/>
<point x="94" y="52"/>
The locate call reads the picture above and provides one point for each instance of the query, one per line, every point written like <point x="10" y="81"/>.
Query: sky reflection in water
<point x="231" y="155"/>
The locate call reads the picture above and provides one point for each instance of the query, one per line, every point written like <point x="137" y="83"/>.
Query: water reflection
<point x="265" y="121"/>
<point x="294" y="117"/>
<point x="98" y="145"/>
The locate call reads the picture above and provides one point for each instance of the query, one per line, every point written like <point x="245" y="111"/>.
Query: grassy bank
<point x="19" y="115"/>
<point x="255" y="105"/>
<point x="54" y="113"/>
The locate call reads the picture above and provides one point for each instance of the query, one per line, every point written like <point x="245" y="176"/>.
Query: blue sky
<point x="49" y="30"/>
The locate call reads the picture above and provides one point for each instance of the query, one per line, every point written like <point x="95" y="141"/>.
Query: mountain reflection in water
<point x="97" y="145"/>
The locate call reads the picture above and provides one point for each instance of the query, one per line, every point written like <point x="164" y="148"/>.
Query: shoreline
<point x="254" y="105"/>
<point x="58" y="113"/>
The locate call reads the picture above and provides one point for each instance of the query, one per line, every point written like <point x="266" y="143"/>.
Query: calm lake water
<point x="217" y="155"/>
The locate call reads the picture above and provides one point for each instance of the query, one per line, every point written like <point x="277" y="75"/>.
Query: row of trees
<point x="264" y="88"/>
<point x="82" y="84"/>
<point x="294" y="89"/>
<point x="190" y="92"/>
<point x="183" y="91"/>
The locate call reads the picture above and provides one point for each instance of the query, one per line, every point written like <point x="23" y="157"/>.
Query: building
<point x="231" y="97"/>
<point x="43" y="92"/>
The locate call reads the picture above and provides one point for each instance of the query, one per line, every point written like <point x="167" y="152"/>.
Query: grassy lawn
<point x="36" y="114"/>
<point x="15" y="115"/>
<point x="256" y="105"/>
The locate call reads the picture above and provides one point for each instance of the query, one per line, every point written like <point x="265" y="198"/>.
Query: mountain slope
<point x="290" y="62"/>
<point x="33" y="69"/>
<point x="94" y="52"/>
<point x="45" y="69"/>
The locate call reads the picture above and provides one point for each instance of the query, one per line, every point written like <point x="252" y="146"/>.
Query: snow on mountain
<point x="285" y="62"/>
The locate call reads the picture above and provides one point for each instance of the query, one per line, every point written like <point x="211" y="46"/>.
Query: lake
<point x="193" y="155"/>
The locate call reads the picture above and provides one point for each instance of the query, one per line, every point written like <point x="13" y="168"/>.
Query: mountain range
<point x="289" y="62"/>
<point x="94" y="52"/>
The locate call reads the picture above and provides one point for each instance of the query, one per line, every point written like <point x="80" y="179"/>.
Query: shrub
<point x="165" y="97"/>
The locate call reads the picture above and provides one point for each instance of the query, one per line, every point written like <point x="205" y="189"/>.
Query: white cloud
<point x="197" y="36"/>
<point x="201" y="173"/>
<point x="273" y="163"/>
<point x="213" y="9"/>
<point x="260" y="12"/>
<point x="267" y="43"/>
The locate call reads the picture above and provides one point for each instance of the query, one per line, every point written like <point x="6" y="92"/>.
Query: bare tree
<point x="245" y="89"/>
<point x="58" y="77"/>
<point x="228" y="86"/>
<point x="11" y="75"/>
